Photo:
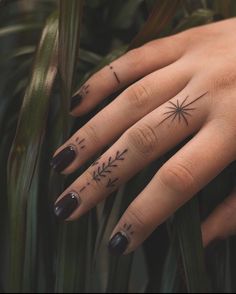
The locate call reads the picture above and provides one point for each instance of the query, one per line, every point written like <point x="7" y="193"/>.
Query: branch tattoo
<point x="105" y="169"/>
<point x="180" y="112"/>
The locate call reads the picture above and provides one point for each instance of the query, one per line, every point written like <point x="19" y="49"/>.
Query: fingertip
<point x="66" y="206"/>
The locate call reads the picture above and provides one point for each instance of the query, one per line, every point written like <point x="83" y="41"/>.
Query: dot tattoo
<point x="106" y="168"/>
<point x="114" y="73"/>
<point x="180" y="112"/>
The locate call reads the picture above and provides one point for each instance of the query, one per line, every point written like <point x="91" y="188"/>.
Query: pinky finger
<point x="221" y="224"/>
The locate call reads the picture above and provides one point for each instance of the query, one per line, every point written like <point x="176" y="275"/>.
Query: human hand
<point x="183" y="85"/>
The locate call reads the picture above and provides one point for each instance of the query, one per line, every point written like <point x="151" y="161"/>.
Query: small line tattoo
<point x="115" y="74"/>
<point x="80" y="142"/>
<point x="111" y="183"/>
<point x="106" y="168"/>
<point x="82" y="189"/>
<point x="128" y="229"/>
<point x="180" y="112"/>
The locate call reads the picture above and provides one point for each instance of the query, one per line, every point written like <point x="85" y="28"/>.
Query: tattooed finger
<point x="152" y="136"/>
<point x="174" y="184"/>
<point x="126" y="70"/>
<point x="133" y="104"/>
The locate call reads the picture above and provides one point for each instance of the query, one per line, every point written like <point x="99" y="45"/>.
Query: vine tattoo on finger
<point x="105" y="169"/>
<point x="180" y="111"/>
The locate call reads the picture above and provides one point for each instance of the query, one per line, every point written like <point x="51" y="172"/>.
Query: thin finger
<point x="221" y="224"/>
<point x="127" y="69"/>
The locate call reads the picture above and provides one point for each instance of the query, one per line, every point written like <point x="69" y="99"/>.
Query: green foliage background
<point x="37" y="80"/>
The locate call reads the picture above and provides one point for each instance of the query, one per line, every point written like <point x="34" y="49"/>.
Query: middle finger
<point x="133" y="104"/>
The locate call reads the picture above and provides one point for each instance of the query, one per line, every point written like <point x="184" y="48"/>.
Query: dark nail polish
<point x="66" y="206"/>
<point x="75" y="101"/>
<point x="62" y="160"/>
<point x="118" y="244"/>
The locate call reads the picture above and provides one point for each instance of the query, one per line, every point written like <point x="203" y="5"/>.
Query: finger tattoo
<point x="180" y="112"/>
<point x="111" y="67"/>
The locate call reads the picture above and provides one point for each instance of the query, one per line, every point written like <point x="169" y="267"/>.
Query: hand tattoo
<point x="80" y="142"/>
<point x="106" y="168"/>
<point x="128" y="229"/>
<point x="111" y="183"/>
<point x="114" y="73"/>
<point x="180" y="111"/>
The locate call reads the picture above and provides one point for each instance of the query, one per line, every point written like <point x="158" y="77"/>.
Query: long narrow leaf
<point x="26" y="148"/>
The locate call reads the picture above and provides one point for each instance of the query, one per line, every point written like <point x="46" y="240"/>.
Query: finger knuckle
<point x="226" y="81"/>
<point x="138" y="96"/>
<point x="143" y="139"/>
<point x="91" y="133"/>
<point x="135" y="56"/>
<point x="178" y="178"/>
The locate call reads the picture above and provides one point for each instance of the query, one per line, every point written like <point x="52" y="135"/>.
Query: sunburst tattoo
<point x="180" y="112"/>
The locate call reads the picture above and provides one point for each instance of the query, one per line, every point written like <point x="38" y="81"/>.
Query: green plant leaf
<point x="161" y="14"/>
<point x="70" y="277"/>
<point x="25" y="152"/>
<point x="188" y="227"/>
<point x="18" y="28"/>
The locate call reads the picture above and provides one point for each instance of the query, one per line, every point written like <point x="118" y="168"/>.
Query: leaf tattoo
<point x="106" y="168"/>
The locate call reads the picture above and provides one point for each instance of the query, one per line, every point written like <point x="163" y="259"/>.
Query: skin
<point x="200" y="61"/>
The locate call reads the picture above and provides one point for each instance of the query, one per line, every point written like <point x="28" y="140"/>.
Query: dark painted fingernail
<point x="118" y="244"/>
<point x="62" y="160"/>
<point x="66" y="206"/>
<point x="75" y="101"/>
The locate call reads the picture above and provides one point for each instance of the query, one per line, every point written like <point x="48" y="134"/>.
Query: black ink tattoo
<point x="82" y="189"/>
<point x="128" y="229"/>
<point x="84" y="90"/>
<point x="180" y="111"/>
<point x="80" y="142"/>
<point x="106" y="168"/>
<point x="111" y="183"/>
<point x="114" y="73"/>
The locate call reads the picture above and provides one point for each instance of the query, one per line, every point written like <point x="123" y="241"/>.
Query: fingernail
<point x="62" y="160"/>
<point x="66" y="206"/>
<point x="75" y="101"/>
<point x="118" y="244"/>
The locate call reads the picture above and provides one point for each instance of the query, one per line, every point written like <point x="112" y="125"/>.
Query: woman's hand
<point x="182" y="85"/>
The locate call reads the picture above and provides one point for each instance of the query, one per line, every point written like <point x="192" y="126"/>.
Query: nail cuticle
<point x="118" y="244"/>
<point x="75" y="101"/>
